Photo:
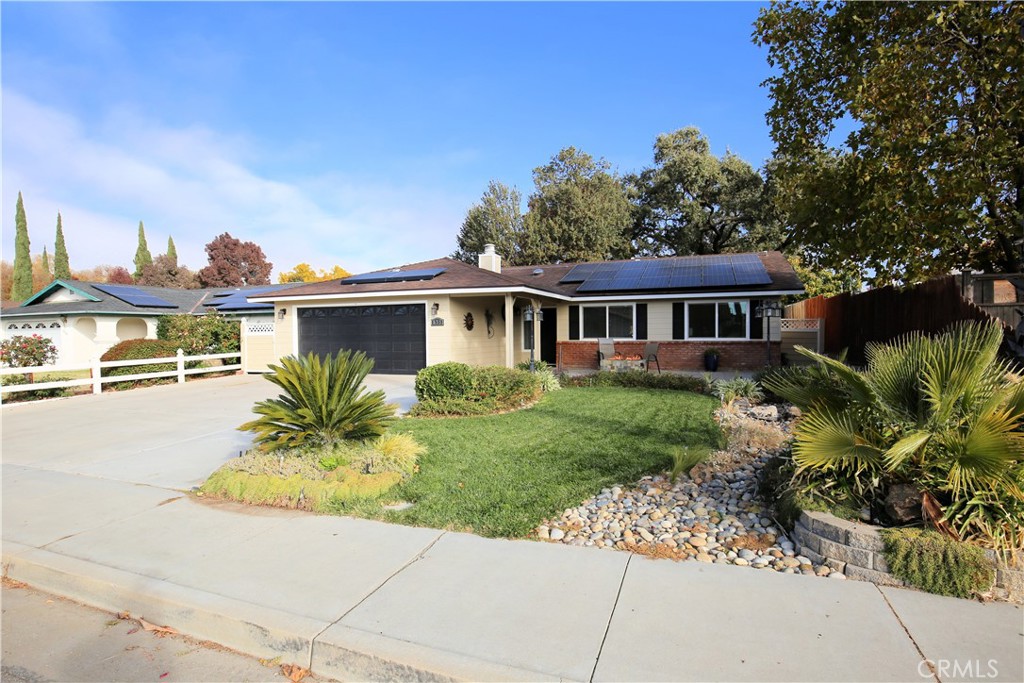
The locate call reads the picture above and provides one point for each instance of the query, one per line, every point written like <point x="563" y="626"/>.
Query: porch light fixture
<point x="769" y="309"/>
<point x="434" y="308"/>
<point x="282" y="313"/>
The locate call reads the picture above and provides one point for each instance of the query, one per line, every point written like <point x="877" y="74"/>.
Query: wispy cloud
<point x="194" y="183"/>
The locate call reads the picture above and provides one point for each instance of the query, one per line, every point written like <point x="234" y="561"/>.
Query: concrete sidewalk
<point x="95" y="509"/>
<point x="356" y="599"/>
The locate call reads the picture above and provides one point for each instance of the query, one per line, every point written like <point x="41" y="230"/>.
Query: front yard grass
<point x="500" y="475"/>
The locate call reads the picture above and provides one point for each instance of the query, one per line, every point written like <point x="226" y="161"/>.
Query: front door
<point x="549" y="336"/>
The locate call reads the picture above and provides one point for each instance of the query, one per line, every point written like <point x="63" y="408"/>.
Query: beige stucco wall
<point x="258" y="352"/>
<point x="474" y="346"/>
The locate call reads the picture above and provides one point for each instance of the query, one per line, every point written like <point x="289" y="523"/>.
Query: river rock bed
<point x="713" y="516"/>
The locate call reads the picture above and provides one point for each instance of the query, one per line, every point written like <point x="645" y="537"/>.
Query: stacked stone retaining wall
<point x="856" y="549"/>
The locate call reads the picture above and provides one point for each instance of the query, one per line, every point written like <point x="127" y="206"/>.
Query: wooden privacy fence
<point x="880" y="315"/>
<point x="97" y="379"/>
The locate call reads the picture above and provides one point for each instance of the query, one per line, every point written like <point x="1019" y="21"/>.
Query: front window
<point x="608" y="321"/>
<point x="717" y="320"/>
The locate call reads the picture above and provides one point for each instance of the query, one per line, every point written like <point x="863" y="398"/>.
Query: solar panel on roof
<point x="711" y="271"/>
<point x="238" y="300"/>
<point x="579" y="273"/>
<point x="134" y="296"/>
<point x="394" y="276"/>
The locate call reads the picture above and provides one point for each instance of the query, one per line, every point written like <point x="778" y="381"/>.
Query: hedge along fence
<point x="97" y="380"/>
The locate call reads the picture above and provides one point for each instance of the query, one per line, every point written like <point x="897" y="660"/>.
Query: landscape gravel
<point x="714" y="516"/>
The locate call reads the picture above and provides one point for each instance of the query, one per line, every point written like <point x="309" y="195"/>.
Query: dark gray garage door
<point x="394" y="336"/>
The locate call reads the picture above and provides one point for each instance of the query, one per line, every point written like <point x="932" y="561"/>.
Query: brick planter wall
<point x="856" y="549"/>
<point x="674" y="355"/>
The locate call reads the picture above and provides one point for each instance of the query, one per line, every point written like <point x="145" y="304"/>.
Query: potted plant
<point x="711" y="359"/>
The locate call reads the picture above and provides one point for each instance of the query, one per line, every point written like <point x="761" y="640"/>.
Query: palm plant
<point x="324" y="402"/>
<point x="942" y="414"/>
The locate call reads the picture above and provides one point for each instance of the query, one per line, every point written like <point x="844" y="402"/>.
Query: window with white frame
<point x="615" y="321"/>
<point x="717" y="320"/>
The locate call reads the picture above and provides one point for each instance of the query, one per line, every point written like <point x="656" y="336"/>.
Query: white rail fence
<point x="97" y="380"/>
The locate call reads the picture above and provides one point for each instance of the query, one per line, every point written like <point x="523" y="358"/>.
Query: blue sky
<point x="343" y="133"/>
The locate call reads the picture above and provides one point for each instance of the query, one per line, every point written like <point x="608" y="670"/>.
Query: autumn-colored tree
<point x="119" y="275"/>
<point x="234" y="263"/>
<point x="6" y="274"/>
<point x="46" y="260"/>
<point x="113" y="274"/>
<point x="21" y="279"/>
<point x="41" y="276"/>
<point x="165" y="272"/>
<point x="303" y="272"/>
<point x="61" y="264"/>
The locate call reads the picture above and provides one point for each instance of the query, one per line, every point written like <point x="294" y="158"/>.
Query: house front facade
<point x="421" y="314"/>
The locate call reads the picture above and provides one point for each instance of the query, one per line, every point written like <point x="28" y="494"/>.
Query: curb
<point x="326" y="648"/>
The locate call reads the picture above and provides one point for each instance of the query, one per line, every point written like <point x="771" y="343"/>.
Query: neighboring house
<point x="445" y="310"/>
<point x="84" y="319"/>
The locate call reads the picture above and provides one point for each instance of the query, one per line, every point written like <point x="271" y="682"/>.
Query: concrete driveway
<point x="171" y="436"/>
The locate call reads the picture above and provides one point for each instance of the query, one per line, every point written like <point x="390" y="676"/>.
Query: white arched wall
<point x="131" y="328"/>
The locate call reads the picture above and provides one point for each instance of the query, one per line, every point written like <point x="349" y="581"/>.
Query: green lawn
<point x="500" y="475"/>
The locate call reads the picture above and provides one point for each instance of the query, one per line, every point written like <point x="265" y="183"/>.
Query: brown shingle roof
<point x="461" y="275"/>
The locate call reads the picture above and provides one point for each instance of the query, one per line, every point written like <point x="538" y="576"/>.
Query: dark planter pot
<point x="710" y="363"/>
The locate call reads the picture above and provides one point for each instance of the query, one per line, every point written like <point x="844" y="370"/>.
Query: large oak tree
<point x="899" y="132"/>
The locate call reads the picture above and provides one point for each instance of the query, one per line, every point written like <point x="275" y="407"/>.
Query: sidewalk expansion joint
<point x="419" y="556"/>
<point x="611" y="616"/>
<point x="917" y="647"/>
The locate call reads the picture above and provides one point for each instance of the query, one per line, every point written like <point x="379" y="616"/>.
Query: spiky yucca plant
<point x="942" y="414"/>
<point x="324" y="401"/>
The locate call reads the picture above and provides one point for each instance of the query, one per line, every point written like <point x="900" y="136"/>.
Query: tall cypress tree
<point x="142" y="256"/>
<point x="172" y="253"/>
<point x="46" y="261"/>
<point x="61" y="265"/>
<point x="21" y="280"/>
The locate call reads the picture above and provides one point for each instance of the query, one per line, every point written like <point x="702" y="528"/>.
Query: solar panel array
<point x="393" y="276"/>
<point x="683" y="272"/>
<point x="237" y="300"/>
<point x="134" y="296"/>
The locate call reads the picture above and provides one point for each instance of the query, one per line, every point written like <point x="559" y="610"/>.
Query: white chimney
<point x="489" y="260"/>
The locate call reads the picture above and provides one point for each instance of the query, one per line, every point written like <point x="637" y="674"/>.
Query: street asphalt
<point x="96" y="508"/>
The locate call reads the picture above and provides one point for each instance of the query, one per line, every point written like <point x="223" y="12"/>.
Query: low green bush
<point x="545" y="373"/>
<point x="200" y="334"/>
<point x="444" y="381"/>
<point x="138" y="349"/>
<point x="34" y="395"/>
<point x="637" y="379"/>
<point x="450" y="389"/>
<point x="728" y="390"/>
<point x="936" y="563"/>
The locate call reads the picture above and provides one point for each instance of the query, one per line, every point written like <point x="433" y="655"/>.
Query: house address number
<point x="437" y="322"/>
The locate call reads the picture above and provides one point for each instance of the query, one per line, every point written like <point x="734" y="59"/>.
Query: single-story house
<point x="84" y="319"/>
<point x="420" y="314"/>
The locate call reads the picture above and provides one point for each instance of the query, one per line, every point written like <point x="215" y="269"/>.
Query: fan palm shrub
<point x="942" y="414"/>
<point x="324" y="402"/>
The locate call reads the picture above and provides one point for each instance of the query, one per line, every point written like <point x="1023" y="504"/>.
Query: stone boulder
<point x="767" y="413"/>
<point x="903" y="504"/>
